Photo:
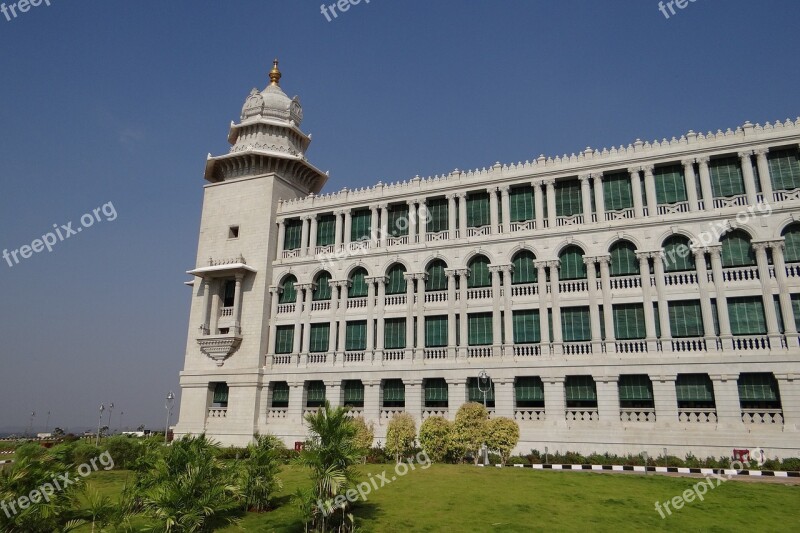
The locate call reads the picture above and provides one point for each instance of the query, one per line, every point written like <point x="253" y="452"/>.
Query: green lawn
<point x="466" y="498"/>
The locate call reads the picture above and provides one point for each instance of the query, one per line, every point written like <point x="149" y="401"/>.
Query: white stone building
<point x="627" y="299"/>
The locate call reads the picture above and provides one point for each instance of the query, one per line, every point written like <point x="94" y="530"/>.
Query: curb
<point x="659" y="469"/>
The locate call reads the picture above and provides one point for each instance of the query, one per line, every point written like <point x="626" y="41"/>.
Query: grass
<point x="466" y="498"/>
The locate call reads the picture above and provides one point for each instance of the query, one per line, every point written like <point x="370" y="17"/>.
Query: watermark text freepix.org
<point x="13" y="10"/>
<point x="668" y="8"/>
<point x="698" y="490"/>
<point x="59" y="234"/>
<point x="59" y="483"/>
<point x="329" y="11"/>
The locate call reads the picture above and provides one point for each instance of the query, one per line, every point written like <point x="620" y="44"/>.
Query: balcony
<point x="321" y="306"/>
<point x="401" y="240"/>
<point x="785" y="196"/>
<point x="394" y="355"/>
<point x="637" y="415"/>
<point x="482" y="231"/>
<point x="588" y="414"/>
<point x="479" y="293"/>
<point x="317" y="358"/>
<point x="762" y="416"/>
<point x="281" y="360"/>
<point x="573" y="286"/>
<point x="733" y="201"/>
<point x="479" y="352"/>
<point x="573" y="220"/>
<point x="324" y="250"/>
<point x="355" y="412"/>
<point x="738" y="274"/>
<point x="529" y="289"/>
<point x="793" y="270"/>
<point x="672" y="209"/>
<point x="625" y="282"/>
<point x="277" y="414"/>
<point x="357" y="303"/>
<point x="435" y="353"/>
<point x="436" y="297"/>
<point x="291" y="254"/>
<point x="680" y="279"/>
<point x="355" y="357"/>
<point x="285" y="308"/>
<point x="620" y="214"/>
<point x="437" y="236"/>
<point x="219" y="347"/>
<point x="697" y="416"/>
<point x="631" y="346"/>
<point x="751" y="343"/>
<point x="387" y="413"/>
<point x="523" y="226"/>
<point x="395" y="299"/>
<point x="689" y="345"/>
<point x="218" y="412"/>
<point x="577" y="348"/>
<point x="527" y="350"/>
<point x="529" y="415"/>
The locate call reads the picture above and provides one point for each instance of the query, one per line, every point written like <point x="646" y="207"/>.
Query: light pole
<point x="110" y="409"/>
<point x="168" y="405"/>
<point x="30" y="424"/>
<point x="484" y="386"/>
<point x="99" y="422"/>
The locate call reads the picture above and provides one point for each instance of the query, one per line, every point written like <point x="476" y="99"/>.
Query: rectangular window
<point x="394" y="393"/>
<point x="478" y="210"/>
<point x="521" y="201"/>
<point x="527" y="327"/>
<point x="398" y="220"/>
<point x="747" y="315"/>
<point x="758" y="389"/>
<point x="284" y="339"/>
<point x="726" y="177"/>
<point x="580" y="391"/>
<point x="480" y="329"/>
<point x="280" y="395"/>
<point x="293" y="234"/>
<point x="784" y="167"/>
<point x="529" y="392"/>
<point x="435" y="392"/>
<point x="575" y="324"/>
<point x="694" y="388"/>
<point x="438" y="215"/>
<point x="326" y="230"/>
<point x="435" y="331"/>
<point x="670" y="185"/>
<point x="568" y="198"/>
<point x="320" y="334"/>
<point x="220" y="398"/>
<point x="229" y="293"/>
<point x="315" y="394"/>
<point x="617" y="191"/>
<point x="394" y="333"/>
<point x="629" y="321"/>
<point x="475" y="391"/>
<point x="356" y="336"/>
<point x="353" y="393"/>
<point x="686" y="319"/>
<point x="361" y="225"/>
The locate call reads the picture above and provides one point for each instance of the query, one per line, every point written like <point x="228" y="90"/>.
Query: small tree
<point x="435" y="437"/>
<point x="365" y="435"/>
<point x="258" y="476"/>
<point x="401" y="435"/>
<point x="470" y="429"/>
<point x="503" y="436"/>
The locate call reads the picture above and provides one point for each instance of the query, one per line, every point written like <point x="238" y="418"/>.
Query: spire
<point x="275" y="74"/>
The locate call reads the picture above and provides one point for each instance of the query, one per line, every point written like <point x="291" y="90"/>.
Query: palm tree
<point x="257" y="477"/>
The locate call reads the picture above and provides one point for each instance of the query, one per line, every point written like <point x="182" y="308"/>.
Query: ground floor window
<point x="695" y="391"/>
<point x="475" y="391"/>
<point x="394" y="393"/>
<point x="280" y="395"/>
<point x="581" y="392"/>
<point x="759" y="391"/>
<point x="529" y="392"/>
<point x="353" y="393"/>
<point x="220" y="395"/>
<point x="315" y="394"/>
<point x="635" y="392"/>
<point x="435" y="392"/>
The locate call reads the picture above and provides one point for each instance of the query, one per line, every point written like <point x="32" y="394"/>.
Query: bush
<point x="233" y="453"/>
<point x="517" y="460"/>
<point x="495" y="459"/>
<point x="791" y="464"/>
<point x="470" y="430"/>
<point x="435" y="435"/>
<point x="78" y="452"/>
<point x="124" y="450"/>
<point x="535" y="458"/>
<point x="503" y="436"/>
<point x="401" y="434"/>
<point x="365" y="434"/>
<point x="377" y="455"/>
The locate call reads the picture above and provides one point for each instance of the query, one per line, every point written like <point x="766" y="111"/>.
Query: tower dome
<point x="272" y="102"/>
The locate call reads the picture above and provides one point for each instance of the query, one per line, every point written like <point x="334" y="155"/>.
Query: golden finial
<point x="275" y="74"/>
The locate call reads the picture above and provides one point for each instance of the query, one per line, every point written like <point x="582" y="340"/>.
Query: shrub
<point x="503" y="436"/>
<point x="401" y="435"/>
<point x="435" y="435"/>
<point x="494" y="459"/>
<point x="258" y="475"/>
<point x="535" y="458"/>
<point x="470" y="430"/>
<point x="233" y="453"/>
<point x="377" y="455"/>
<point x="791" y="464"/>
<point x="124" y="450"/>
<point x="365" y="434"/>
<point x="517" y="460"/>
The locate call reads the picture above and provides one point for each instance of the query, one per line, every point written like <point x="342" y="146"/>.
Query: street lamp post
<point x="110" y="410"/>
<point x="99" y="422"/>
<point x="30" y="425"/>
<point x="484" y="386"/>
<point x="168" y="405"/>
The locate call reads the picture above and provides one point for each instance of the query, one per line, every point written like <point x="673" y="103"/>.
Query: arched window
<point x="358" y="284"/>
<point x="678" y="255"/>
<point x="437" y="280"/>
<point x="791" y="236"/>
<point x="572" y="266"/>
<point x="323" y="290"/>
<point x="736" y="250"/>
<point x="524" y="269"/>
<point x="289" y="294"/>
<point x="479" y="275"/>
<point x="397" y="283"/>
<point x="623" y="259"/>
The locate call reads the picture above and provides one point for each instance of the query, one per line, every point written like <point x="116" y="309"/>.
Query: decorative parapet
<point x="219" y="347"/>
<point x="589" y="160"/>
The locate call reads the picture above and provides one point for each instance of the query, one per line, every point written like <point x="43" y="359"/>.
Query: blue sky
<point x="111" y="101"/>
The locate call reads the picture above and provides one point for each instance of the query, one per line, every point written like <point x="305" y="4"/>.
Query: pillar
<point x="372" y="400"/>
<point x="726" y="396"/>
<point x="764" y="175"/>
<point x="274" y="296"/>
<point x="544" y="322"/>
<point x="504" y="397"/>
<point x="294" y="413"/>
<point x="538" y="204"/>
<point x="204" y="327"/>
<point x="599" y="198"/>
<point x="456" y="396"/>
<point x="348" y="225"/>
<point x="463" y="326"/>
<point x="551" y="202"/>
<point x="785" y="297"/>
<point x="462" y="214"/>
<point x="508" y="346"/>
<point x="594" y="307"/>
<point x="374" y="226"/>
<point x="555" y="402"/>
<point x="345" y="286"/>
<point x="494" y="218"/>
<point x="691" y="184"/>
<point x="334" y="393"/>
<point x="419" y="311"/>
<point x="381" y="281"/>
<point x="414" y="399"/>
<point x="409" y="315"/>
<point x="636" y="192"/>
<point x="789" y="388"/>
<point x="554" y="296"/>
<point x="237" y="305"/>
<point x="773" y="331"/>
<point x="705" y="300"/>
<point x="334" y="314"/>
<point x="665" y="399"/>
<point x="506" y="204"/>
<point x="338" y="237"/>
<point x="423" y="221"/>
<point x="412" y="221"/>
<point x="663" y="303"/>
<point x="306" y="220"/>
<point x="312" y="238"/>
<point x="650" y="190"/>
<point x="586" y="198"/>
<point x="749" y="177"/>
<point x="647" y="300"/>
<point x="608" y="310"/>
<point x="370" y="317"/>
<point x="298" y="318"/>
<point x="719" y="286"/>
<point x="452" y="335"/>
<point x="281" y="236"/>
<point x="705" y="183"/>
<point x="452" y="216"/>
<point x="384" y="208"/>
<point x="608" y="408"/>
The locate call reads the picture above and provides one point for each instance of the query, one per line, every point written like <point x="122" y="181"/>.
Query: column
<point x="457" y="396"/>
<point x="764" y="174"/>
<point x="586" y="197"/>
<point x="338" y="237"/>
<point x="665" y="399"/>
<point x="773" y="331"/>
<point x="274" y="295"/>
<point x="348" y="226"/>
<point x="506" y="204"/>
<point x="749" y="177"/>
<point x="705" y="183"/>
<point x="508" y="347"/>
<point x="420" y="313"/>
<point x="281" y="236"/>
<point x="551" y="202"/>
<point x="554" y="298"/>
<point x="538" y="204"/>
<point x="599" y="199"/>
<point x="334" y="393"/>
<point x="636" y="192"/>
<point x="663" y="304"/>
<point x="370" y="317"/>
<point x="306" y="336"/>
<point x="705" y="300"/>
<point x="719" y="286"/>
<point x="784" y="295"/>
<point x="544" y="322"/>
<point x="312" y="238"/>
<point x="374" y="226"/>
<point x="463" y="326"/>
<point x="691" y="184"/>
<point x="409" y="315"/>
<point x="381" y="281"/>
<point x="452" y="335"/>
<point x="384" y="224"/>
<point x="647" y="301"/>
<point x="372" y="400"/>
<point x="412" y="221"/>
<point x="462" y="214"/>
<point x="555" y="400"/>
<point x="216" y="304"/>
<point x="334" y="313"/>
<point x="423" y="221"/>
<point x="608" y="408"/>
<point x="494" y="216"/>
<point x="650" y="190"/>
<point x="304" y="235"/>
<point x="594" y="307"/>
<point x="294" y="412"/>
<point x="726" y="396"/>
<point x="789" y="388"/>
<point x="204" y="327"/>
<point x="504" y="397"/>
<point x="608" y="309"/>
<point x="237" y="305"/>
<point x="414" y="399"/>
<point x="497" y="317"/>
<point x="345" y="286"/>
<point x="452" y="216"/>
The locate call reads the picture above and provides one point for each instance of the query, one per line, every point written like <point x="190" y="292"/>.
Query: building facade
<point x="622" y="300"/>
